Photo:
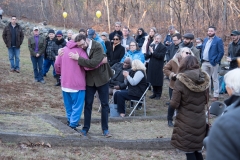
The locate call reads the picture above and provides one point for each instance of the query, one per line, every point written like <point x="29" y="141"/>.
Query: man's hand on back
<point x="74" y="56"/>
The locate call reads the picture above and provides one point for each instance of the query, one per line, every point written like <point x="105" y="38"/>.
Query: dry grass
<point x="26" y="124"/>
<point x="22" y="151"/>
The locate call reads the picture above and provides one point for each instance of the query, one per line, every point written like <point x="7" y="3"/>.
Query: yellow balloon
<point x="98" y="14"/>
<point x="64" y="14"/>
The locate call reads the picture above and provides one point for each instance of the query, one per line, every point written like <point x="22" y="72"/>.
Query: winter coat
<point x="189" y="98"/>
<point x="139" y="89"/>
<point x="223" y="139"/>
<point x="155" y="65"/>
<point x="50" y="52"/>
<point x="195" y="51"/>
<point x="108" y="46"/>
<point x="118" y="78"/>
<point x="172" y="49"/>
<point x="234" y="55"/>
<point x="117" y="54"/>
<point x="41" y="45"/>
<point x="170" y="69"/>
<point x="134" y="55"/>
<point x="99" y="40"/>
<point x="111" y="35"/>
<point x="102" y="74"/>
<point x="140" y="39"/>
<point x="59" y="44"/>
<point x="7" y="35"/>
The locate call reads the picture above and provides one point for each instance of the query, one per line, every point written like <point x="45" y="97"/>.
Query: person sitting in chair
<point x="117" y="81"/>
<point x="137" y="84"/>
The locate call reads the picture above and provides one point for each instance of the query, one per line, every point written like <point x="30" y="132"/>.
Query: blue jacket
<point x="99" y="40"/>
<point x="134" y="55"/>
<point x="216" y="50"/>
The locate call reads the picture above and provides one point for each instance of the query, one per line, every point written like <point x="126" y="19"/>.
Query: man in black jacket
<point x="116" y="31"/>
<point x="117" y="81"/>
<point x="234" y="50"/>
<point x="172" y="49"/>
<point x="13" y="37"/>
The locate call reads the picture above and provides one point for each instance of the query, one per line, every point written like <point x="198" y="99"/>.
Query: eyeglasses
<point x="59" y="36"/>
<point x="139" y="31"/>
<point x="132" y="45"/>
<point x="115" y="39"/>
<point x="175" y="40"/>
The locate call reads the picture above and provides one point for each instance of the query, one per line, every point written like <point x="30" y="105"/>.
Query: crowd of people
<point x="121" y="65"/>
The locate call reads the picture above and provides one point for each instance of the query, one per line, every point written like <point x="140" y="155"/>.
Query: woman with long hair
<point x="189" y="98"/>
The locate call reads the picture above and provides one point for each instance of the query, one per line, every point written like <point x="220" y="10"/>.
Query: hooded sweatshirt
<point x="72" y="75"/>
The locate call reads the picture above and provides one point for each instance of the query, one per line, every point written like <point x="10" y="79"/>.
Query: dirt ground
<point x="19" y="93"/>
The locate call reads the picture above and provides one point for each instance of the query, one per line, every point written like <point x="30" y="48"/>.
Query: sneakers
<point x="12" y="70"/>
<point x="42" y="81"/>
<point x="83" y="132"/>
<point x="106" y="134"/>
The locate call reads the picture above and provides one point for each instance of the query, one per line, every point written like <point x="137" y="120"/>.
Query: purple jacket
<point x="72" y="75"/>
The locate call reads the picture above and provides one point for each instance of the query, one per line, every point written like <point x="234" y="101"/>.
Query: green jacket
<point x="41" y="45"/>
<point x="100" y="75"/>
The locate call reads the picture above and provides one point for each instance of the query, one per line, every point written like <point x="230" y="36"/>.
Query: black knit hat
<point x="51" y="31"/>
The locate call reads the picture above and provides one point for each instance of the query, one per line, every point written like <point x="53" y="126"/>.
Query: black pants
<point x="194" y="156"/>
<point x="157" y="90"/>
<point x="1" y="16"/>
<point x="170" y="109"/>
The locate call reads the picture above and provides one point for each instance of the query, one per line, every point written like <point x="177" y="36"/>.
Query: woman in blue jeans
<point x="136" y="82"/>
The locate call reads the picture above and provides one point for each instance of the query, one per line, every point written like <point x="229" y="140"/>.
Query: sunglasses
<point x="115" y="39"/>
<point x="132" y="45"/>
<point x="188" y="53"/>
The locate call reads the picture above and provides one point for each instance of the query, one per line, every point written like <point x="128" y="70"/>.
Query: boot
<point x="58" y="80"/>
<point x="170" y="124"/>
<point x="152" y="96"/>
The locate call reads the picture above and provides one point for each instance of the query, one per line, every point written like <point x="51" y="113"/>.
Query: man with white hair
<point x="223" y="140"/>
<point x="116" y="31"/>
<point x="156" y="54"/>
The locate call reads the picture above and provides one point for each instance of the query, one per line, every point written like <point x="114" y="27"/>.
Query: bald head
<point x="127" y="63"/>
<point x="74" y="36"/>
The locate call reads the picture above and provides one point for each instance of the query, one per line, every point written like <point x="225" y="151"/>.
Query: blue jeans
<point x="104" y="97"/>
<point x="37" y="63"/>
<point x="46" y="65"/>
<point x="73" y="102"/>
<point x="13" y="54"/>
